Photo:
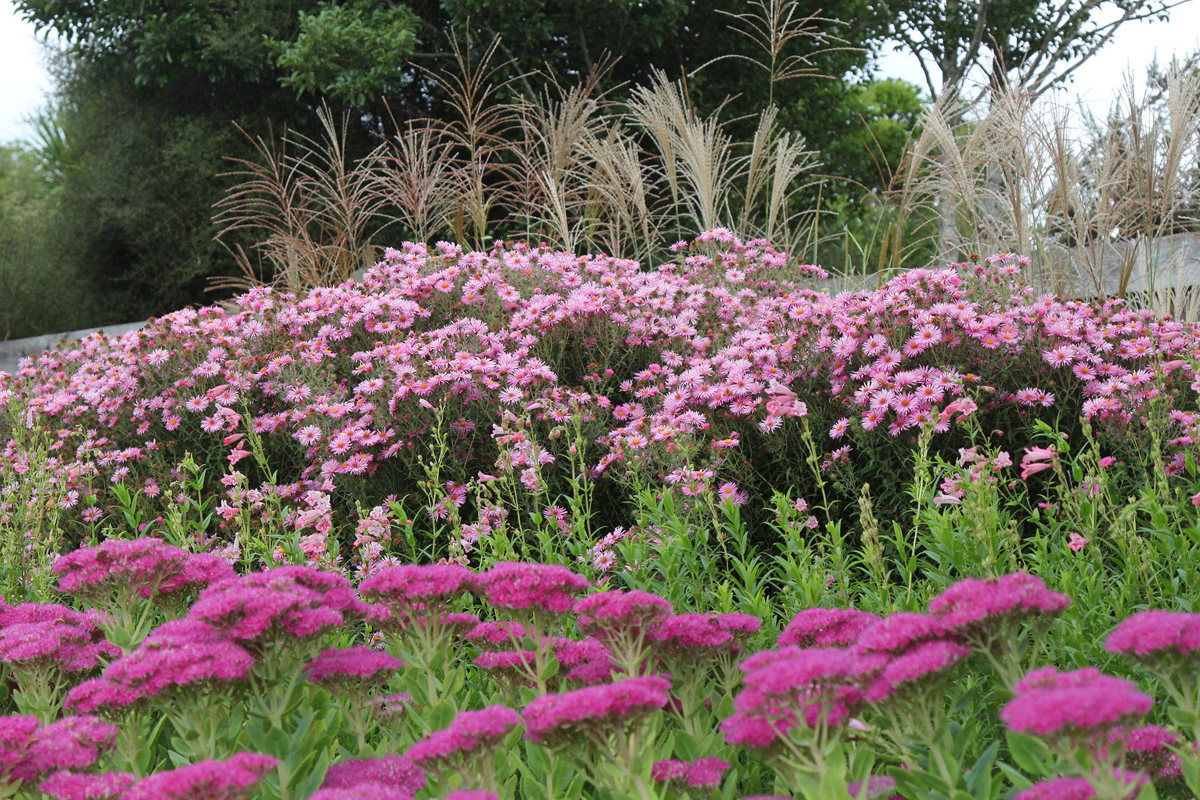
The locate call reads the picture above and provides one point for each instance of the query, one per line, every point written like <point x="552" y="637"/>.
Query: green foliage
<point x="351" y="53"/>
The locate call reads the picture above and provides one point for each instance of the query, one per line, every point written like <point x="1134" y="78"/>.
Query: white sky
<point x="24" y="83"/>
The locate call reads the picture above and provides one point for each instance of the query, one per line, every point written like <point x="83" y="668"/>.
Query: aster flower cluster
<point x="730" y="348"/>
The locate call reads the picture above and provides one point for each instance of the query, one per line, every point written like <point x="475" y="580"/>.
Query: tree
<point x="1041" y="41"/>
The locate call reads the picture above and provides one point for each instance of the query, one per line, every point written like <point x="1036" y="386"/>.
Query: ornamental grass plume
<point x="990" y="615"/>
<point x="826" y="627"/>
<point x="235" y="778"/>
<point x="467" y="746"/>
<point x="82" y="786"/>
<point x="392" y="777"/>
<point x="622" y="621"/>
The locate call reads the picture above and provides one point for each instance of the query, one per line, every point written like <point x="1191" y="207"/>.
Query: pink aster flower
<point x="826" y="627"/>
<point x="82" y="786"/>
<point x="561" y="719"/>
<point x="231" y="779"/>
<point x="1076" y="705"/>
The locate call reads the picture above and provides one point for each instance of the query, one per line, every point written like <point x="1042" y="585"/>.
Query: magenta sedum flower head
<point x="703" y="773"/>
<point x="285" y="602"/>
<point x="517" y="585"/>
<point x="977" y="608"/>
<point x="495" y="635"/>
<point x="1148" y="749"/>
<point x="896" y="633"/>
<point x="144" y="567"/>
<point x="472" y="794"/>
<point x="472" y="735"/>
<point x="1059" y="789"/>
<point x="1151" y="636"/>
<point x="878" y="787"/>
<point x="560" y="718"/>
<point x="612" y="614"/>
<point x="826" y="627"/>
<point x="695" y="636"/>
<point x="923" y="662"/>
<point x="69" y="743"/>
<point x="81" y="786"/>
<point x="412" y="585"/>
<point x="1081" y="703"/>
<point x="337" y="669"/>
<point x="71" y="645"/>
<point x="179" y="654"/>
<point x="231" y="779"/>
<point x="393" y="776"/>
<point x="792" y="671"/>
<point x="28" y="752"/>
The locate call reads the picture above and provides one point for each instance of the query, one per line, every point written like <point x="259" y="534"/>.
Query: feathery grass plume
<point x="311" y="211"/>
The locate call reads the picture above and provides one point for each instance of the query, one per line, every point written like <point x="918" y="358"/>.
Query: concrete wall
<point x="12" y="352"/>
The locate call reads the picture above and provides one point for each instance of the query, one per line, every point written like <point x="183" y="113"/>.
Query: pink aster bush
<point x="392" y="777"/>
<point x="622" y="621"/>
<point x="347" y="386"/>
<point x="991" y="615"/>
<point x="232" y="779"/>
<point x="468" y="746"/>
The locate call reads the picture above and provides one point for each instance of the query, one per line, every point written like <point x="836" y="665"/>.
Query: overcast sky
<point x="24" y="82"/>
